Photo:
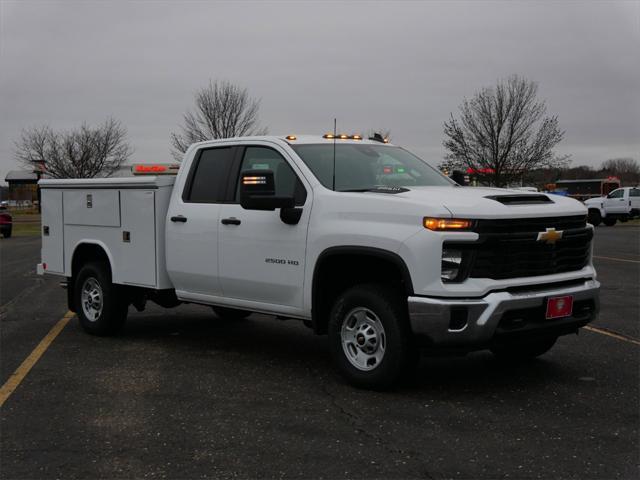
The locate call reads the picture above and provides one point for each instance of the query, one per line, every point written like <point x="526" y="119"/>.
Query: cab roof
<point x="299" y="140"/>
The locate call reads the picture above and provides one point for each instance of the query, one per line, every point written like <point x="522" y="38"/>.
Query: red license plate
<point x="558" y="307"/>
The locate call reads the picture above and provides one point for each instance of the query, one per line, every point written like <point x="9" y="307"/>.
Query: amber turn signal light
<point x="439" y="224"/>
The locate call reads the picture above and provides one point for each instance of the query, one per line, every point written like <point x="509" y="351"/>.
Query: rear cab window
<point x="208" y="178"/>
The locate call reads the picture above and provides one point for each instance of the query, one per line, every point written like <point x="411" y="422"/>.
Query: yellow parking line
<point x="617" y="259"/>
<point x="617" y="336"/>
<point x="22" y="371"/>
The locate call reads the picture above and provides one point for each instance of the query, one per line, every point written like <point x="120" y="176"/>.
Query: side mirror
<point x="258" y="192"/>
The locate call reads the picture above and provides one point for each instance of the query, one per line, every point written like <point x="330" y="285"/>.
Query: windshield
<point x="367" y="167"/>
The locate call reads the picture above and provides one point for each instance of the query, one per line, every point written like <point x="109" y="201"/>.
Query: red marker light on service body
<point x="150" y="168"/>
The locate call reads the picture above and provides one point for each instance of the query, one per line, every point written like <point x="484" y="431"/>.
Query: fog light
<point x="451" y="262"/>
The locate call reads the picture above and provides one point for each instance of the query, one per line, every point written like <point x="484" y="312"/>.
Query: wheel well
<point x="343" y="267"/>
<point x="88" y="252"/>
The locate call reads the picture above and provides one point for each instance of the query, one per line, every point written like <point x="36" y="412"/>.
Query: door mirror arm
<point x="290" y="216"/>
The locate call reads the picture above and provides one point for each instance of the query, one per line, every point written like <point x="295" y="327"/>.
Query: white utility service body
<point x="123" y="216"/>
<point x="197" y="238"/>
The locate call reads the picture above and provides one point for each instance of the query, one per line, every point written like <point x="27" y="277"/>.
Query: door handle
<point x="179" y="218"/>
<point x="230" y="221"/>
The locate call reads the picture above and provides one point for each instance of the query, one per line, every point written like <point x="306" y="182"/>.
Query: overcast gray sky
<point x="393" y="65"/>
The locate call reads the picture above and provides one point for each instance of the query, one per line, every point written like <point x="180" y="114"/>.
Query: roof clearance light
<point x="356" y="137"/>
<point x="291" y="137"/>
<point x="330" y="136"/>
<point x="439" y="224"/>
<point x="342" y="136"/>
<point x="386" y="140"/>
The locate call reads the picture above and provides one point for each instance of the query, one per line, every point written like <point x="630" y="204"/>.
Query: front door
<point x="262" y="258"/>
<point x="615" y="202"/>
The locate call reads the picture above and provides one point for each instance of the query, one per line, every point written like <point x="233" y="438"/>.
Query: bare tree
<point x="626" y="169"/>
<point x="222" y="110"/>
<point x="85" y="152"/>
<point x="503" y="133"/>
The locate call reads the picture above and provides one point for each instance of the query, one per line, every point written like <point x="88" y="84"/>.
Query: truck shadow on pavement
<point x="288" y="350"/>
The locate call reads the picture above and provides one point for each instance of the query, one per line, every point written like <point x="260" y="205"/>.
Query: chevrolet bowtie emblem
<point x="550" y="236"/>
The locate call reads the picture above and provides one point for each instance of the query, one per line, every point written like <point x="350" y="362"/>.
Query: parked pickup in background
<point x="622" y="204"/>
<point x="359" y="239"/>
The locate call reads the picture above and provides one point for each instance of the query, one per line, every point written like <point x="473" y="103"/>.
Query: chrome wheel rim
<point x="363" y="339"/>
<point x="91" y="299"/>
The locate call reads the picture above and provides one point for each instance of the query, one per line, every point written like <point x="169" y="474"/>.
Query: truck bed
<point x="123" y="216"/>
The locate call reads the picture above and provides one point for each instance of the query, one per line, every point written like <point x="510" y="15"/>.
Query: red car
<point x="6" y="222"/>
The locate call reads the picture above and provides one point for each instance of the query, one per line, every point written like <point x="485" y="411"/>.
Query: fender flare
<point x="97" y="243"/>
<point x="380" y="253"/>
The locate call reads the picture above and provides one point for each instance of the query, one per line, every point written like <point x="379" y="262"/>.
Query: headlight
<point x="451" y="264"/>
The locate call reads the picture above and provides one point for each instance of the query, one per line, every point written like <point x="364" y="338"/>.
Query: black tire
<point x="595" y="218"/>
<point x="388" y="308"/>
<point x="609" y="222"/>
<point x="523" y="350"/>
<point x="230" y="313"/>
<point x="112" y="314"/>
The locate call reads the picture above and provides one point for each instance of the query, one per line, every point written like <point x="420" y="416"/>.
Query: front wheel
<point x="609" y="222"/>
<point x="594" y="217"/>
<point x="100" y="309"/>
<point x="523" y="350"/>
<point x="6" y="233"/>
<point x="369" y="335"/>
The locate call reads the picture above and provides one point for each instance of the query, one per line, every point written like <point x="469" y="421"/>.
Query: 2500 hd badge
<point x="282" y="261"/>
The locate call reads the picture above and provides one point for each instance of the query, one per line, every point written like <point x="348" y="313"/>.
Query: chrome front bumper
<point x="459" y="322"/>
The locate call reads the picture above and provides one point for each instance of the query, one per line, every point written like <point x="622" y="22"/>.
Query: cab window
<point x="634" y="192"/>
<point x="616" y="194"/>
<point x="207" y="179"/>
<point x="286" y="182"/>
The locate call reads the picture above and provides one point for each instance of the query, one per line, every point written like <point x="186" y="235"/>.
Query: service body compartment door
<point x="92" y="207"/>
<point x="52" y="231"/>
<point x="137" y="259"/>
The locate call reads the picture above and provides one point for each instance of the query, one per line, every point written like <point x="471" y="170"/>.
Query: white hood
<point x="472" y="202"/>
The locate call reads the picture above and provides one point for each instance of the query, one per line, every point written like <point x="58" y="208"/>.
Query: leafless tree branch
<point x="222" y="110"/>
<point x="85" y="152"/>
<point x="503" y="132"/>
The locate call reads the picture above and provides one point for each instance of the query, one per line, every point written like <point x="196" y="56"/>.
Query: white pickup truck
<point x="621" y="204"/>
<point x="359" y="239"/>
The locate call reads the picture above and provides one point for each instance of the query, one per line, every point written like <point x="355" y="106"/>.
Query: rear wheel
<point x="99" y="305"/>
<point x="369" y="336"/>
<point x="594" y="217"/>
<point x="230" y="313"/>
<point x="609" y="222"/>
<point x="523" y="350"/>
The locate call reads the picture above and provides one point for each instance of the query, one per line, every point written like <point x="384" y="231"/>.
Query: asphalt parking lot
<point x="182" y="394"/>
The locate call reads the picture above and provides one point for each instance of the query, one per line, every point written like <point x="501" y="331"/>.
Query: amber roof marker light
<point x="446" y="224"/>
<point x="342" y="136"/>
<point x="291" y="137"/>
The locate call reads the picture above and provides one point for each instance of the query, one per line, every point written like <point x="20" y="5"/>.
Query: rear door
<point x="193" y="223"/>
<point x="262" y="259"/>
